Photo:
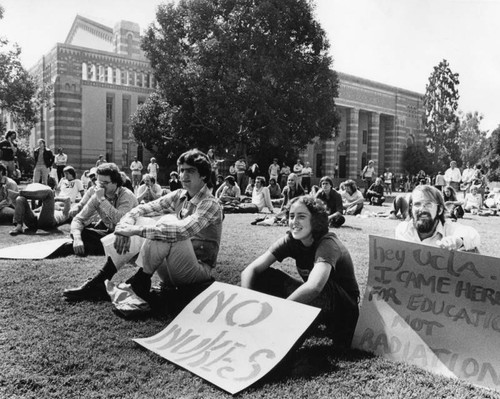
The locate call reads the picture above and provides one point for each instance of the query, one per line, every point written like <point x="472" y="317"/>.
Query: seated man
<point x="333" y="201"/>
<point x="352" y="198"/>
<point x="229" y="192"/>
<point x="323" y="263"/>
<point x="182" y="246"/>
<point x="69" y="186"/>
<point x="375" y="193"/>
<point x="8" y="194"/>
<point x="48" y="216"/>
<point x="110" y="201"/>
<point x="274" y="189"/>
<point x="427" y="224"/>
<point x="149" y="190"/>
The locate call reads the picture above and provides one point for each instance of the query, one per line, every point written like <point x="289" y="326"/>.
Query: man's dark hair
<point x="70" y="170"/>
<point x="319" y="214"/>
<point x="199" y="160"/>
<point x="327" y="179"/>
<point x="10" y="133"/>
<point x="434" y="195"/>
<point x="230" y="180"/>
<point x="110" y="169"/>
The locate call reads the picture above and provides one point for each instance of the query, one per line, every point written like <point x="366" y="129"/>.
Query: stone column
<point x="329" y="157"/>
<point x="373" y="141"/>
<point x="352" y="141"/>
<point x="390" y="144"/>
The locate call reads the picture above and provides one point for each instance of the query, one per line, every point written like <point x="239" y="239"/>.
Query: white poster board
<point x="232" y="336"/>
<point x="433" y="308"/>
<point x="34" y="250"/>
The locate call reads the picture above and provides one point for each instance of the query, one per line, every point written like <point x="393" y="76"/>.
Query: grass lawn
<point x="53" y="349"/>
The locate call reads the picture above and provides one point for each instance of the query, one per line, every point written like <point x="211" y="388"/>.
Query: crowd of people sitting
<point x="177" y="234"/>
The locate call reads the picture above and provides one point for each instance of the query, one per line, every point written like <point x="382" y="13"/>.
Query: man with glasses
<point x="109" y="201"/>
<point x="180" y="243"/>
<point x="427" y="224"/>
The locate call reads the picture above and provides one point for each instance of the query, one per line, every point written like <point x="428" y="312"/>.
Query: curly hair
<point x="319" y="214"/>
<point x="110" y="169"/>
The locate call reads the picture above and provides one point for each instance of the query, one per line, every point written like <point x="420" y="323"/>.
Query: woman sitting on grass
<point x="323" y="263"/>
<point x="453" y="205"/>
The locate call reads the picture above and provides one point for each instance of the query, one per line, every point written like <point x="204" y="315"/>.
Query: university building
<point x="100" y="76"/>
<point x="378" y="121"/>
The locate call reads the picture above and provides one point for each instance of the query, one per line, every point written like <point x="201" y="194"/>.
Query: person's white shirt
<point x="406" y="231"/>
<point x="70" y="189"/>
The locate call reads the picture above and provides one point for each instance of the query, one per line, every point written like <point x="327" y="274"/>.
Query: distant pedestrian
<point x="136" y="175"/>
<point x="44" y="158"/>
<point x="153" y="168"/>
<point x="60" y="161"/>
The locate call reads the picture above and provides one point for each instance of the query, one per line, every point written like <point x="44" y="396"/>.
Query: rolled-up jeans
<point x="175" y="262"/>
<point x="48" y="216"/>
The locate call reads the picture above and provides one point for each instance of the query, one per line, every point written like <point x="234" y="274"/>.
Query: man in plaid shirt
<point x="181" y="245"/>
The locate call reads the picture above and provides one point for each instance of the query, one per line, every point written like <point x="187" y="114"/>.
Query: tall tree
<point x="416" y="157"/>
<point x="242" y="75"/>
<point x="19" y="94"/>
<point x="472" y="141"/>
<point x="441" y="121"/>
<point x="492" y="159"/>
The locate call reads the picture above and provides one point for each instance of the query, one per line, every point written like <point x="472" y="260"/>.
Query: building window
<point x="365" y="137"/>
<point x="109" y="109"/>
<point x="129" y="44"/>
<point x="131" y="78"/>
<point x="125" y="109"/>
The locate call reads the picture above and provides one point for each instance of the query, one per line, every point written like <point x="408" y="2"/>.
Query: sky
<point x="396" y="42"/>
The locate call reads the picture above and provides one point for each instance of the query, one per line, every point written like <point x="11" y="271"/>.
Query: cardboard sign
<point x="232" y="336"/>
<point x="434" y="308"/>
<point x="34" y="250"/>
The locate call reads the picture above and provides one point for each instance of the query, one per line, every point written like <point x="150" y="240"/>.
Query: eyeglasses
<point x="424" y="205"/>
<point x="103" y="183"/>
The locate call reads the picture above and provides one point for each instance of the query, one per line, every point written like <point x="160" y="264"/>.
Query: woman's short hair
<point x="230" y="180"/>
<point x="148" y="176"/>
<point x="199" y="160"/>
<point x="319" y="214"/>
<point x="40" y="141"/>
<point x="174" y="174"/>
<point x="110" y="169"/>
<point x="352" y="184"/>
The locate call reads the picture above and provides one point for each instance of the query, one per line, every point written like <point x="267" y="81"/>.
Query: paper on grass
<point x="34" y="250"/>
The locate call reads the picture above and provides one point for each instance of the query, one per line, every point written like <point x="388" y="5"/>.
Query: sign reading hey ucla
<point x="232" y="336"/>
<point x="433" y="308"/>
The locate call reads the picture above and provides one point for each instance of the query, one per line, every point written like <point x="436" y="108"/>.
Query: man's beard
<point x="425" y="225"/>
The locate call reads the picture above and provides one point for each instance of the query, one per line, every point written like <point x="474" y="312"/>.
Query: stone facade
<point x="378" y="121"/>
<point x="99" y="77"/>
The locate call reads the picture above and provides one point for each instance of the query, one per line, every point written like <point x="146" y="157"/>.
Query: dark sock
<point x="109" y="270"/>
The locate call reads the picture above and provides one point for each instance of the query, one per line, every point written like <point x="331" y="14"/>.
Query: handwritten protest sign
<point x="232" y="336"/>
<point x="433" y="308"/>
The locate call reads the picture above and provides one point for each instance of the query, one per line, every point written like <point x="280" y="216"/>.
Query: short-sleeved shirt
<point x="70" y="189"/>
<point x="333" y="202"/>
<point x="328" y="249"/>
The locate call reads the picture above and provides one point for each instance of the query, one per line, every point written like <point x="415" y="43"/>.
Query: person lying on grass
<point x="48" y="216"/>
<point x="323" y="263"/>
<point x="181" y="244"/>
<point x="427" y="224"/>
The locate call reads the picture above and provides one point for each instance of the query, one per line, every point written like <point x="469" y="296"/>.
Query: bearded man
<point x="428" y="226"/>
